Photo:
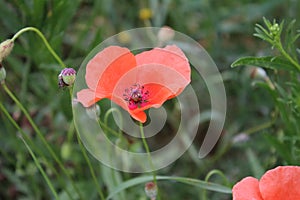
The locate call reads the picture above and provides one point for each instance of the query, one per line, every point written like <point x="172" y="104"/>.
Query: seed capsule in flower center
<point x="136" y="96"/>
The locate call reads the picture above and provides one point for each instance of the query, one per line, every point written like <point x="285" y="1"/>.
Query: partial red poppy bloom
<point x="280" y="183"/>
<point x="135" y="83"/>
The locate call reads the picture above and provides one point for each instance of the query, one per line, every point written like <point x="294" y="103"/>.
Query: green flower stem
<point x="29" y="141"/>
<point x="287" y="56"/>
<point x="110" y="111"/>
<point x="207" y="177"/>
<point x="148" y="153"/>
<point x="40" y="168"/>
<point x="90" y="168"/>
<point x="40" y="34"/>
<point x="71" y="130"/>
<point x="23" y="135"/>
<point x="259" y="127"/>
<point x="36" y="129"/>
<point x="102" y="124"/>
<point x="217" y="172"/>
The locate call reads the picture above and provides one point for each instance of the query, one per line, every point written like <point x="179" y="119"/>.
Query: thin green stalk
<point x="90" y="167"/>
<point x="259" y="127"/>
<point x="285" y="54"/>
<point x="71" y="130"/>
<point x="210" y="174"/>
<point x="108" y="128"/>
<point x="110" y="111"/>
<point x="40" y="168"/>
<point x="148" y="153"/>
<point x="36" y="129"/>
<point x="40" y="34"/>
<point x="23" y="135"/>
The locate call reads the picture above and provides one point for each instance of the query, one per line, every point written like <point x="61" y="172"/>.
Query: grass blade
<point x="189" y="181"/>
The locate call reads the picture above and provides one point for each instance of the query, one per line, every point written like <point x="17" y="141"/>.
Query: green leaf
<point x="189" y="181"/>
<point x="261" y="30"/>
<point x="267" y="22"/>
<point x="263" y="37"/>
<point x="265" y="62"/>
<point x="255" y="164"/>
<point x="281" y="148"/>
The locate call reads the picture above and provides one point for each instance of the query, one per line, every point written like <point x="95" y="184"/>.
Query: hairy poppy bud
<point x="151" y="190"/>
<point x="2" y="73"/>
<point x="66" y="77"/>
<point x="5" y="48"/>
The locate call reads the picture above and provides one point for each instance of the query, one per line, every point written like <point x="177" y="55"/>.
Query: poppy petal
<point x="104" y="70"/>
<point x="161" y="82"/>
<point x="102" y="73"/>
<point x="170" y="56"/>
<point x="162" y="72"/>
<point x="247" y="189"/>
<point x="281" y="183"/>
<point x="87" y="97"/>
<point x="139" y="116"/>
<point x="157" y="76"/>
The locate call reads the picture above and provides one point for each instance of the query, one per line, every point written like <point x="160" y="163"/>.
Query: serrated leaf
<point x="265" y="62"/>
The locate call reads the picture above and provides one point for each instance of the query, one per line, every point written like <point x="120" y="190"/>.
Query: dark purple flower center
<point x="136" y="96"/>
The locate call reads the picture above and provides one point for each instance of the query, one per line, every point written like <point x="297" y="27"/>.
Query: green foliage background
<point x="74" y="27"/>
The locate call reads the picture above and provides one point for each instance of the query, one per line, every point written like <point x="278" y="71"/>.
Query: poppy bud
<point x="5" y="48"/>
<point x="151" y="190"/>
<point x="66" y="150"/>
<point x="2" y="73"/>
<point x="66" y="77"/>
<point x="165" y="34"/>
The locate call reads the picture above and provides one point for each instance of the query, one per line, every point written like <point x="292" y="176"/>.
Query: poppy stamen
<point x="136" y="96"/>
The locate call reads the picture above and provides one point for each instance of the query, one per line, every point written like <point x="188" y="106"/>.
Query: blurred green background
<point x="74" y="27"/>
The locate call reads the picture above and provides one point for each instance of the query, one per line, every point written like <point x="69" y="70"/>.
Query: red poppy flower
<point x="135" y="83"/>
<point x="277" y="184"/>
